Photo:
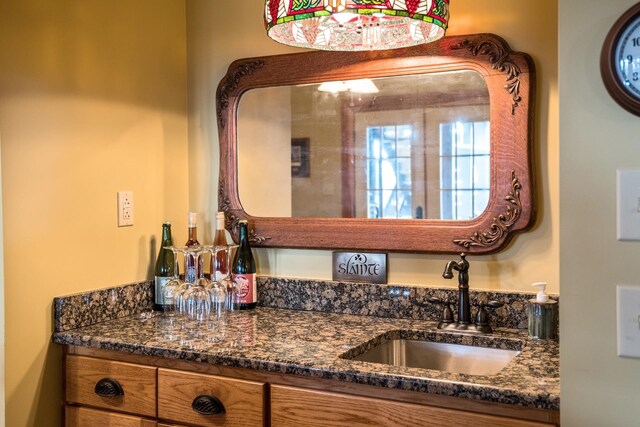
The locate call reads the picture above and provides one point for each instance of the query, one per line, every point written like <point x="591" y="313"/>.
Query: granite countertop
<point x="311" y="343"/>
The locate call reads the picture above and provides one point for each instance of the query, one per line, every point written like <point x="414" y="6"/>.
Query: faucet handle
<point x="447" y="312"/>
<point x="494" y="304"/>
<point x="442" y="301"/>
<point x="482" y="317"/>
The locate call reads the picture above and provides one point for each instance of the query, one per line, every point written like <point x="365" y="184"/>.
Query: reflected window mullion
<point x="461" y="180"/>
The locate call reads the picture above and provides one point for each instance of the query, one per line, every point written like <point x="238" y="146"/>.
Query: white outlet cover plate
<point x="628" y="309"/>
<point x="628" y="201"/>
<point x="125" y="208"/>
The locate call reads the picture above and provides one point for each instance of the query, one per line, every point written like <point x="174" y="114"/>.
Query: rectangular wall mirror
<point x="421" y="149"/>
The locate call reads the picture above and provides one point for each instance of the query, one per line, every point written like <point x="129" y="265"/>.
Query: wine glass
<point x="233" y="295"/>
<point x="217" y="287"/>
<point x="218" y="294"/>
<point x="194" y="272"/>
<point x="196" y="303"/>
<point x="174" y="287"/>
<point x="232" y="299"/>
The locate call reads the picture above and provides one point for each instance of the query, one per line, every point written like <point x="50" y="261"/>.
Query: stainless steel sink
<point x="455" y="358"/>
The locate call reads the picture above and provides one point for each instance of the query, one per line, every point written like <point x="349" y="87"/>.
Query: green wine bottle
<point x="244" y="270"/>
<point x="193" y="270"/>
<point x="164" y="267"/>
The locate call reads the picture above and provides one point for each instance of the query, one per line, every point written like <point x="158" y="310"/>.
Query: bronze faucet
<point x="463" y="322"/>
<point x="464" y="306"/>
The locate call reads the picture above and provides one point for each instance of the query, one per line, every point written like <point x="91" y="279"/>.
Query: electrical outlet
<point x="628" y="211"/>
<point x="628" y="308"/>
<point x="125" y="208"/>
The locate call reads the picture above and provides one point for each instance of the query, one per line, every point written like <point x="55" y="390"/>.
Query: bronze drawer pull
<point x="208" y="405"/>
<point x="108" y="387"/>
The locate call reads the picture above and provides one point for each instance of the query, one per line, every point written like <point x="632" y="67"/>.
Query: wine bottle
<point x="219" y="264"/>
<point x="164" y="270"/>
<point x="244" y="270"/>
<point x="192" y="270"/>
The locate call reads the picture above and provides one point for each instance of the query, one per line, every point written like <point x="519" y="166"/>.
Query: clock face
<point x="626" y="57"/>
<point x="620" y="61"/>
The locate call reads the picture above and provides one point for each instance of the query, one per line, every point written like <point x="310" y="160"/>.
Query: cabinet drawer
<point x="138" y="384"/>
<point x="83" y="417"/>
<point x="243" y="401"/>
<point x="292" y="406"/>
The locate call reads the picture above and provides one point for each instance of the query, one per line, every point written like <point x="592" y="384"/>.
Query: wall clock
<point x="620" y="60"/>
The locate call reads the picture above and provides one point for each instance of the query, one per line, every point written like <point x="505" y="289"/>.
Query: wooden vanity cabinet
<point x="293" y="406"/>
<point x="78" y="416"/>
<point x="137" y="382"/>
<point x="160" y="392"/>
<point x="243" y="400"/>
<point x="138" y="395"/>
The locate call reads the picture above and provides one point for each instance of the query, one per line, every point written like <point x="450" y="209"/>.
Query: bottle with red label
<point x="219" y="267"/>
<point x="244" y="270"/>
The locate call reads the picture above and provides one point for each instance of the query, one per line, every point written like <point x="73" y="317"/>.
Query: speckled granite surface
<point x="310" y="328"/>
<point x="409" y="302"/>
<point x="74" y="311"/>
<point x="365" y="299"/>
<point x="311" y="344"/>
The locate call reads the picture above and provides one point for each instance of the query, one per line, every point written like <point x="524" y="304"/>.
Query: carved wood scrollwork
<point x="256" y="238"/>
<point x="500" y="60"/>
<point x="230" y="85"/>
<point x="231" y="220"/>
<point x="501" y="224"/>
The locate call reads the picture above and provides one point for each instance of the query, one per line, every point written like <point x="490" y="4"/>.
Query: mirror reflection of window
<point x="464" y="169"/>
<point x="389" y="171"/>
<point x="352" y="175"/>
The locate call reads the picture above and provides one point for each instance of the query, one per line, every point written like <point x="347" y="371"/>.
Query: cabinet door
<point x="243" y="401"/>
<point x="296" y="407"/>
<point x="86" y="417"/>
<point x="90" y="381"/>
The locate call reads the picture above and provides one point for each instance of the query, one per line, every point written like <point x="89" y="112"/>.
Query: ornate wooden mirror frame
<point x="510" y="78"/>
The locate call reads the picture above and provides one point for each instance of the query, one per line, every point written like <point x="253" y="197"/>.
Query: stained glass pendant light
<point x="356" y="24"/>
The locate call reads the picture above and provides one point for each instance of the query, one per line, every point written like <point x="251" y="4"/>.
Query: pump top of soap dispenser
<point x="542" y="314"/>
<point x="542" y="295"/>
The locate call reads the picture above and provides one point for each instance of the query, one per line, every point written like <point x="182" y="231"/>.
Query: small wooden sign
<point x="360" y="267"/>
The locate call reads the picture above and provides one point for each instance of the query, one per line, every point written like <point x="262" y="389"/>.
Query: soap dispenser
<point x="543" y="314"/>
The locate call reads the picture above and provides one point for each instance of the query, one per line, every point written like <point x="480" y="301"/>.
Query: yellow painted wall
<point x="527" y="26"/>
<point x="92" y="101"/>
<point x="264" y="116"/>
<point x="597" y="137"/>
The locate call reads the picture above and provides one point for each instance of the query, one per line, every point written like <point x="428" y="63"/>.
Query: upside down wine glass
<point x="173" y="288"/>
<point x="232" y="294"/>
<point x="195" y="301"/>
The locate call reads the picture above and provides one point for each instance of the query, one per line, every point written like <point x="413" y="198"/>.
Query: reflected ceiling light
<point x="362" y="86"/>
<point x="333" y="87"/>
<point x="355" y="24"/>
<point x="355" y="86"/>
